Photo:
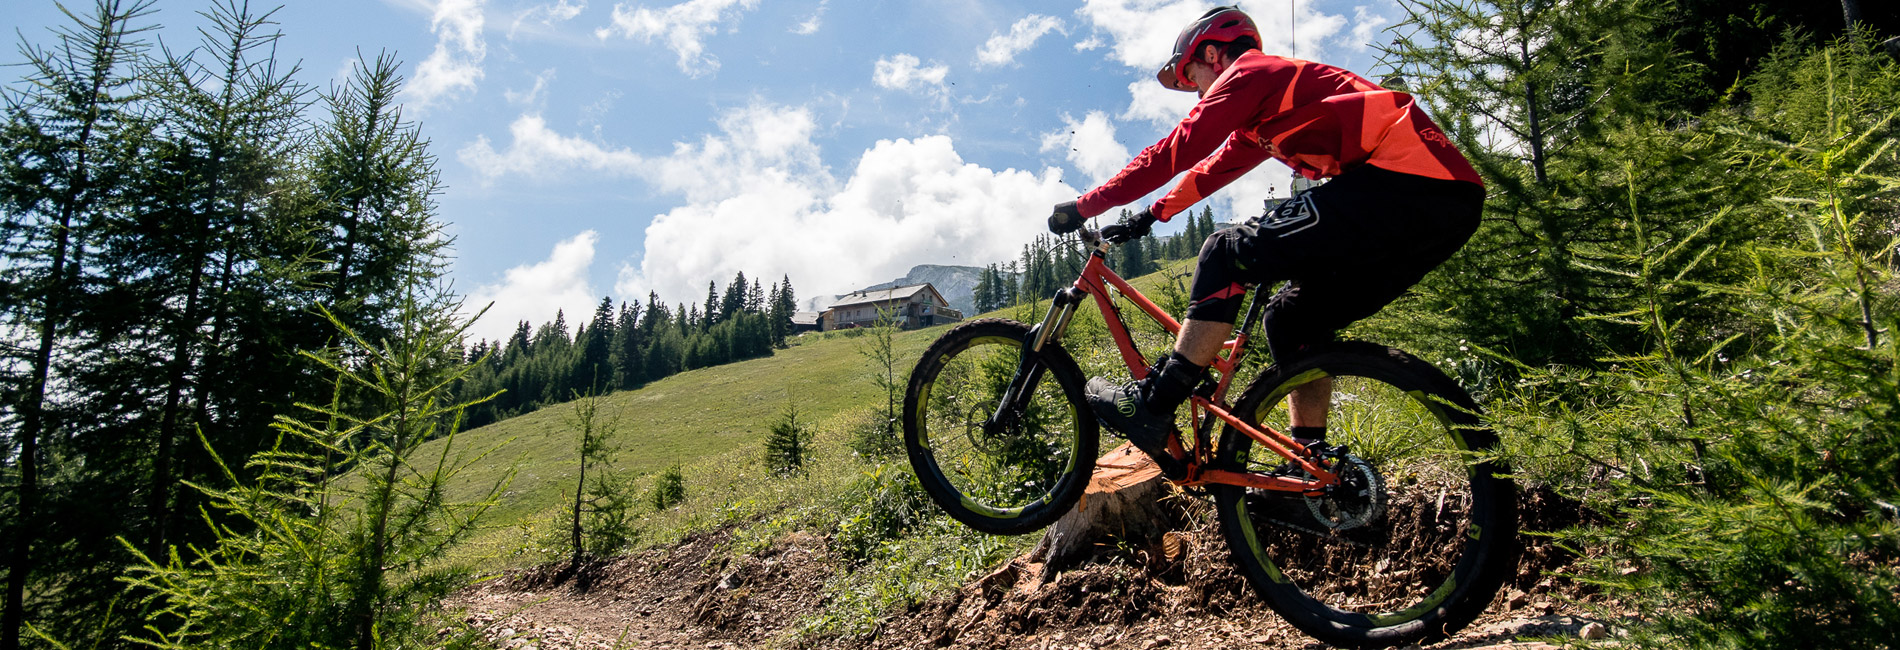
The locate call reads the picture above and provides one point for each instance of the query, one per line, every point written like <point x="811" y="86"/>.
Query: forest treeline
<point x="226" y="316"/>
<point x="624" y="347"/>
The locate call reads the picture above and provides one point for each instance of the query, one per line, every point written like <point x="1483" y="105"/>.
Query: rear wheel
<point x="1423" y="530"/>
<point x="1010" y="474"/>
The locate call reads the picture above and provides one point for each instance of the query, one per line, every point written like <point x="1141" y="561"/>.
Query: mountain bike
<point x="1401" y="532"/>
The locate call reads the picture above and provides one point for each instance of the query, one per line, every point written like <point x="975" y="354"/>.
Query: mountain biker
<point x="1400" y="200"/>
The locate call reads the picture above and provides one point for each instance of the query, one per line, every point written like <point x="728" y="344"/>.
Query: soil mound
<point x="1177" y="591"/>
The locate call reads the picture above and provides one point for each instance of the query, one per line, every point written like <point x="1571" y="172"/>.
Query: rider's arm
<point x="1240" y="155"/>
<point x="1230" y="105"/>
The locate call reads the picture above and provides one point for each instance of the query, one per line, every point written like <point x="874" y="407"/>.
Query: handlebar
<point x="1092" y="239"/>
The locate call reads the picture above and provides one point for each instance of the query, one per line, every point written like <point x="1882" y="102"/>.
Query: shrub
<point x="610" y="524"/>
<point x="879" y="506"/>
<point x="871" y="436"/>
<point x="788" y="444"/>
<point x="669" y="489"/>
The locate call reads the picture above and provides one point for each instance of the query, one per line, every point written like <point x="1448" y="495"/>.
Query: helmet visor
<point x="1170" y="78"/>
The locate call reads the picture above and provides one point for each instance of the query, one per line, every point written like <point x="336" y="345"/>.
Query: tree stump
<point x="1122" y="501"/>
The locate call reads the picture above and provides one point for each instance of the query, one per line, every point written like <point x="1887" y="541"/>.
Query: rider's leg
<point x="1307" y="405"/>
<point x="1143" y="410"/>
<point x="1201" y="341"/>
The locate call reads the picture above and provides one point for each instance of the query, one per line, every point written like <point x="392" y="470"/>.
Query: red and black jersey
<point x="1318" y="119"/>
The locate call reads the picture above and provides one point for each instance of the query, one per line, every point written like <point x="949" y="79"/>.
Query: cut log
<point x="1122" y="502"/>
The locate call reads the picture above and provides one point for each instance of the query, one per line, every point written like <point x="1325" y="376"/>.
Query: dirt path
<point x="692" y="596"/>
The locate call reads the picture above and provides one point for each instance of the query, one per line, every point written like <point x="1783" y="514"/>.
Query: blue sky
<point x="592" y="148"/>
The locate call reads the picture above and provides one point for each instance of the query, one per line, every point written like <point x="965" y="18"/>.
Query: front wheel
<point x="1009" y="470"/>
<point x="1432" y="531"/>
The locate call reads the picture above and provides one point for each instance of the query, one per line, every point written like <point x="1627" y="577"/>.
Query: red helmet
<point x="1218" y="25"/>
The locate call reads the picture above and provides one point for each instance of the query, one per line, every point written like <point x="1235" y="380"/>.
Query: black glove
<point x="1130" y="227"/>
<point x="1065" y="219"/>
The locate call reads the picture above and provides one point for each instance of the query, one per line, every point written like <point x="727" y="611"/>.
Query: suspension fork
<point x="1028" y="371"/>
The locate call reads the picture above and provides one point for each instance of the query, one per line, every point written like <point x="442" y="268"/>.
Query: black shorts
<point x="1347" y="249"/>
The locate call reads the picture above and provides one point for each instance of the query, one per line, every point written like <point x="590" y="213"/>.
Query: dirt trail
<point x="692" y="595"/>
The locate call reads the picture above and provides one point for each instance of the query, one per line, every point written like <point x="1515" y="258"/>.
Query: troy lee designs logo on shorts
<point x="1433" y="136"/>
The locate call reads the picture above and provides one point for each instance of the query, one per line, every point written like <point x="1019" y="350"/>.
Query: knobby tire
<point x="1001" y="480"/>
<point x="1447" y="538"/>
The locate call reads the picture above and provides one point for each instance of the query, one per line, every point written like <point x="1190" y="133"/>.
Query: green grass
<point x="710" y="421"/>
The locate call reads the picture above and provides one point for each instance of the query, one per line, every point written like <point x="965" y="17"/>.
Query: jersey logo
<point x="1294" y="215"/>
<point x="1433" y="136"/>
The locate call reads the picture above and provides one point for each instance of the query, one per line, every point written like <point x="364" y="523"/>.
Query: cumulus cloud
<point x="1161" y="107"/>
<point x="906" y="202"/>
<point x="536" y="151"/>
<point x="682" y="27"/>
<point x="756" y="196"/>
<point x="1002" y="49"/>
<point x="533" y="292"/>
<point x="1365" y="29"/>
<point x="545" y="15"/>
<point x="1089" y="145"/>
<point x="810" y="25"/>
<point x="456" y="64"/>
<point x="904" y="72"/>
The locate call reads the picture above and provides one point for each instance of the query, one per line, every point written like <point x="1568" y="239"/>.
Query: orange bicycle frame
<point x="1097" y="280"/>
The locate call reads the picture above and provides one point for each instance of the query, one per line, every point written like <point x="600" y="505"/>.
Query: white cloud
<point x="682" y="27"/>
<point x="810" y="25"/>
<point x="758" y="144"/>
<point x="546" y="15"/>
<point x="756" y="196"/>
<point x="456" y="65"/>
<point x="1090" y="43"/>
<point x="903" y="71"/>
<point x="1245" y="196"/>
<point x="1002" y="49"/>
<point x="533" y="292"/>
<point x="537" y="151"/>
<point x="534" y="95"/>
<point x="1365" y="29"/>
<point x="1140" y="33"/>
<point x="1158" y="105"/>
<point x="781" y="212"/>
<point x="1090" y="145"/>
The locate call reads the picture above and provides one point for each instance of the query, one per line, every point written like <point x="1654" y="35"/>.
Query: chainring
<point x="1358" y="500"/>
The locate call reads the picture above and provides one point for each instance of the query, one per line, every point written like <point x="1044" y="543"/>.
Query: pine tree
<point x="782" y="311"/>
<point x="595" y="450"/>
<point x="71" y="143"/>
<point x="378" y="183"/>
<point x="1015" y="272"/>
<point x="231" y="123"/>
<point x="629" y="339"/>
<point x="980" y="295"/>
<point x="734" y="300"/>
<point x="1555" y="79"/>
<point x="594" y="374"/>
<point x="710" y="315"/>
